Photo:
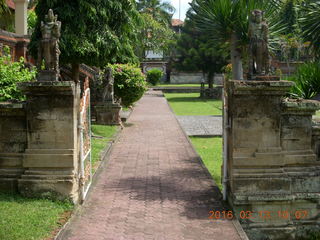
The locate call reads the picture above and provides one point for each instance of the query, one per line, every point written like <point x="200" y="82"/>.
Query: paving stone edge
<point x="104" y="157"/>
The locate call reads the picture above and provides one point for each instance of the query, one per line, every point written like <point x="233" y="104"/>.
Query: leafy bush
<point x="129" y="83"/>
<point x="12" y="73"/>
<point x="307" y="81"/>
<point x="154" y="76"/>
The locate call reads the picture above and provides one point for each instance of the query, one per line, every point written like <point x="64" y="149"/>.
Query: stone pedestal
<point x="108" y="114"/>
<point x="47" y="76"/>
<point x="51" y="157"/>
<point x="274" y="180"/>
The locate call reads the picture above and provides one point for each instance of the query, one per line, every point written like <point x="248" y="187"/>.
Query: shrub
<point x="129" y="83"/>
<point x="154" y="76"/>
<point x="12" y="73"/>
<point x="307" y="81"/>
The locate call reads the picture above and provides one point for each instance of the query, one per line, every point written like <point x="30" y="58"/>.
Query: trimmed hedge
<point x="154" y="76"/>
<point x="129" y="83"/>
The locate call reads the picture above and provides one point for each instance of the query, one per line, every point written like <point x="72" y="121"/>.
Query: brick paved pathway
<point x="154" y="186"/>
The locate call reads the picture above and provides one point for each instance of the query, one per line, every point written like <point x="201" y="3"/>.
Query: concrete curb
<point x="235" y="222"/>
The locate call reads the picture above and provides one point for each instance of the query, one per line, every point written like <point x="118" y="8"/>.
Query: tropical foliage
<point x="94" y="32"/>
<point x="310" y="24"/>
<point x="12" y="73"/>
<point x="159" y="10"/>
<point x="153" y="35"/>
<point x="129" y="83"/>
<point x="227" y="21"/>
<point x="196" y="53"/>
<point x="3" y="6"/>
<point x="154" y="76"/>
<point x="307" y="81"/>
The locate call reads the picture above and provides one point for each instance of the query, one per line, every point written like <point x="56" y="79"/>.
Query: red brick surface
<point x="154" y="186"/>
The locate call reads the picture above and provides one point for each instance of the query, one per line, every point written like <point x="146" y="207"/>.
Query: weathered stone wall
<point x="51" y="158"/>
<point x="185" y="78"/>
<point x="274" y="175"/>
<point x="39" y="144"/>
<point x="13" y="141"/>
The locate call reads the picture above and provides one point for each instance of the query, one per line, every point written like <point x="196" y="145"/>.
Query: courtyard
<point x="154" y="119"/>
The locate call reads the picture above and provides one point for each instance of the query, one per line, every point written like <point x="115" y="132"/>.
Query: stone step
<point x="49" y="172"/>
<point x="48" y="177"/>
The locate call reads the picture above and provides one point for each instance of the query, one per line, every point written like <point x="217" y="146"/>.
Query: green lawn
<point x="210" y="150"/>
<point x="30" y="219"/>
<point x="191" y="104"/>
<point x="101" y="136"/>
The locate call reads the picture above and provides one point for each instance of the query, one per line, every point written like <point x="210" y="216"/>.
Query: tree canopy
<point x="93" y="32"/>
<point x="161" y="11"/>
<point x="196" y="53"/>
<point x="228" y="21"/>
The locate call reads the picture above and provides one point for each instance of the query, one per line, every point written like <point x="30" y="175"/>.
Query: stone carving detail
<point x="108" y="91"/>
<point x="258" y="47"/>
<point x="49" y="51"/>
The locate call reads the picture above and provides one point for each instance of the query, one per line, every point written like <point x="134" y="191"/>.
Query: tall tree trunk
<point x="75" y="72"/>
<point x="237" y="69"/>
<point x="210" y="79"/>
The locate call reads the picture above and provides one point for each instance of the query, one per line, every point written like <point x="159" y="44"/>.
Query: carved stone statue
<point x="108" y="110"/>
<point x="49" y="47"/>
<point x="258" y="48"/>
<point x="108" y="91"/>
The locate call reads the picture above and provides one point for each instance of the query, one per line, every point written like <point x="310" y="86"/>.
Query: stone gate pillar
<point x="21" y="15"/>
<point x="273" y="173"/>
<point x="51" y="157"/>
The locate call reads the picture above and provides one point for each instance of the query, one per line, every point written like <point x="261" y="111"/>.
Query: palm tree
<point x="228" y="21"/>
<point x="310" y="24"/>
<point x="159" y="10"/>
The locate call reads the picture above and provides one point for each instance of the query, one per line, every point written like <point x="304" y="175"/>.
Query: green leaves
<point x="153" y="35"/>
<point x="129" y="83"/>
<point x="12" y="73"/>
<point x="307" y="81"/>
<point x="310" y="24"/>
<point x="219" y="19"/>
<point x="154" y="76"/>
<point x="94" y="32"/>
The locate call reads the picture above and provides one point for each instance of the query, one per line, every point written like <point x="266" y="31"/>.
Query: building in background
<point x="158" y="59"/>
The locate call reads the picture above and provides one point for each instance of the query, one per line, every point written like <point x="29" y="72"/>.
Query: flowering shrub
<point x="12" y="73"/>
<point x="129" y="83"/>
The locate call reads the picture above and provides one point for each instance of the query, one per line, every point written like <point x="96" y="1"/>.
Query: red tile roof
<point x="176" y="22"/>
<point x="11" y="4"/>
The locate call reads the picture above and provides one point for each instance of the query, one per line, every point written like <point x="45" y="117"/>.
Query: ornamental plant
<point x="154" y="76"/>
<point x="307" y="81"/>
<point x="12" y="73"/>
<point x="129" y="83"/>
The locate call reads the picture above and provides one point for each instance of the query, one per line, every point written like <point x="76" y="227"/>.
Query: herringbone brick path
<point x="154" y="186"/>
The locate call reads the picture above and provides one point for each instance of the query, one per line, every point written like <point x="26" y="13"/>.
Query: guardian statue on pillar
<point x="258" y="47"/>
<point x="48" y="56"/>
<point x="108" y="91"/>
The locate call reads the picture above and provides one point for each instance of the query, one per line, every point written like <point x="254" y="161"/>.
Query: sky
<point x="184" y="8"/>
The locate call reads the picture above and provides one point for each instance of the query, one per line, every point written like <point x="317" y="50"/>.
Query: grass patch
<point x="192" y="104"/>
<point x="30" y="219"/>
<point x="210" y="150"/>
<point x="101" y="136"/>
